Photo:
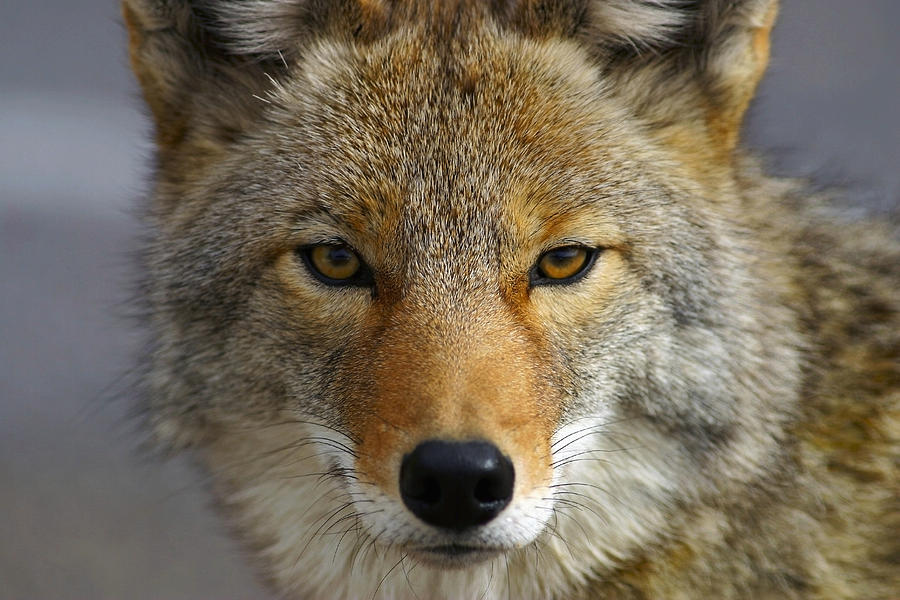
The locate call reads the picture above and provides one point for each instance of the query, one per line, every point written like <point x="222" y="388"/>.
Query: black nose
<point x="456" y="485"/>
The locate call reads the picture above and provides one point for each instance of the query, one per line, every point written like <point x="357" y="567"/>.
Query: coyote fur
<point x="483" y="299"/>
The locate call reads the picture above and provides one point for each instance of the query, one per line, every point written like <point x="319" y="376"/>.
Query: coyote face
<point x="456" y="337"/>
<point x="440" y="290"/>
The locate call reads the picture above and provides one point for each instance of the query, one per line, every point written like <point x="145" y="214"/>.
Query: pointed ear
<point x="206" y="63"/>
<point x="692" y="65"/>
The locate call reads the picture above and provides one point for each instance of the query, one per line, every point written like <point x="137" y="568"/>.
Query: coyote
<point x="482" y="299"/>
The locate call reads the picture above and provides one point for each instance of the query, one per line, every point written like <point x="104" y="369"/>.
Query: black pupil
<point x="563" y="256"/>
<point x="339" y="256"/>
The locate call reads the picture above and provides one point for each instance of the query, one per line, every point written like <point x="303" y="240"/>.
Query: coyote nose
<point x="456" y="485"/>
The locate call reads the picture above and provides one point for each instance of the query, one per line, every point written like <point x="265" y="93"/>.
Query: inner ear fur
<point x="206" y="64"/>
<point x="188" y="79"/>
<point x="694" y="73"/>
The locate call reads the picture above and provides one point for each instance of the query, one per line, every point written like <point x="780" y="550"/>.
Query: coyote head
<point x="453" y="297"/>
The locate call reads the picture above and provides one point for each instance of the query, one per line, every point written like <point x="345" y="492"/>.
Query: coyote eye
<point x="335" y="264"/>
<point x="563" y="265"/>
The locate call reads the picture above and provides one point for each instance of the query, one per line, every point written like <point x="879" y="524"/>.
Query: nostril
<point x="492" y="489"/>
<point x="425" y="489"/>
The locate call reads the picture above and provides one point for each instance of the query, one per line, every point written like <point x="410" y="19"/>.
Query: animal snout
<point x="456" y="485"/>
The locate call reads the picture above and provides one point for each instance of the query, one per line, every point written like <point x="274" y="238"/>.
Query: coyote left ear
<point x="690" y="64"/>
<point x="203" y="63"/>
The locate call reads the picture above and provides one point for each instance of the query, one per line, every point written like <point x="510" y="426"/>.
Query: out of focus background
<point x="82" y="513"/>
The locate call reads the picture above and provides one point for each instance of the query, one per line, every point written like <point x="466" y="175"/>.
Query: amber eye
<point x="335" y="264"/>
<point x="563" y="265"/>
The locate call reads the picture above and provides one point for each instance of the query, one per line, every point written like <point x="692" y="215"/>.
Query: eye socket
<point x="563" y="265"/>
<point x="335" y="264"/>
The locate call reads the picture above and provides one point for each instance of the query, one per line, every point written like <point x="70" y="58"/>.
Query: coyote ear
<point x="685" y="63"/>
<point x="201" y="62"/>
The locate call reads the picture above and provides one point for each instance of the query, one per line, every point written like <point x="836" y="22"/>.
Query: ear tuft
<point x="670" y="25"/>
<point x="638" y="24"/>
<point x="257" y="27"/>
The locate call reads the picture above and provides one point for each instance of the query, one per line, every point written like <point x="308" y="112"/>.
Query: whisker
<point x="569" y="459"/>
<point x="292" y="420"/>
<point x="356" y="528"/>
<point x="579" y="506"/>
<point x="408" y="582"/>
<point x="594" y="426"/>
<point x="508" y="581"/>
<point x="589" y="430"/>
<point x="386" y="576"/>
<point x="489" y="582"/>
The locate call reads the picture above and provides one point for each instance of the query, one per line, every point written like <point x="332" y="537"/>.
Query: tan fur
<point x="461" y="388"/>
<point x="711" y="411"/>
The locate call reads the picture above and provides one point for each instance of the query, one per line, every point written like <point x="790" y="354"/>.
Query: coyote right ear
<point x="673" y="56"/>
<point x="689" y="66"/>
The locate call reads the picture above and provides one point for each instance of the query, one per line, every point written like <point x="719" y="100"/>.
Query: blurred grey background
<point x="82" y="514"/>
